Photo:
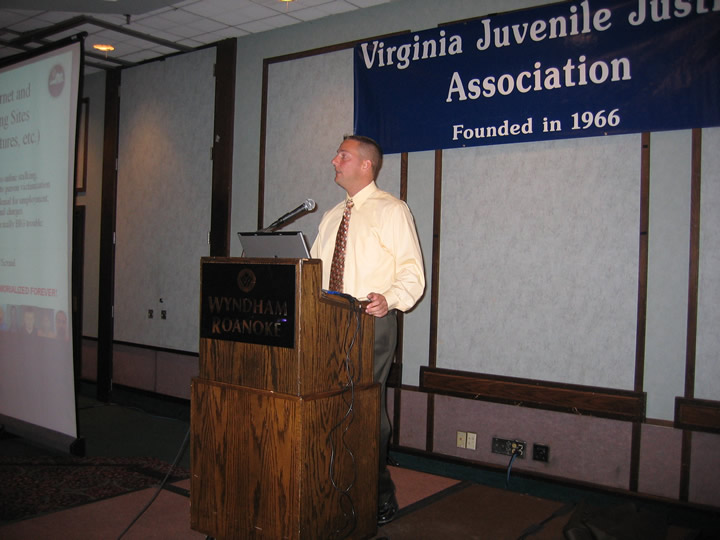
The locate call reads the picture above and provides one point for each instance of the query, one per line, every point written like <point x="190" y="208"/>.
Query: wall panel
<point x="707" y="370"/>
<point x="163" y="199"/>
<point x="539" y="260"/>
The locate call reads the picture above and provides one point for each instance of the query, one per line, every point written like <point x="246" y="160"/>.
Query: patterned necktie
<point x="338" y="261"/>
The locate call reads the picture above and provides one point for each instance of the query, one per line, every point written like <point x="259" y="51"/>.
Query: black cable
<point x="161" y="486"/>
<point x="536" y="528"/>
<point x="349" y="415"/>
<point x="346" y="502"/>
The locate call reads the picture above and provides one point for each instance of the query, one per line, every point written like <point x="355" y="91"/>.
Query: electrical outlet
<point x="541" y="452"/>
<point x="471" y="440"/>
<point x="461" y="439"/>
<point x="508" y="447"/>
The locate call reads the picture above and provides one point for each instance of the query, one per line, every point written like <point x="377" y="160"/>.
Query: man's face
<point x="350" y="167"/>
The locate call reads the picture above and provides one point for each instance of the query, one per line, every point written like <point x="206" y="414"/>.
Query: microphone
<point x="307" y="206"/>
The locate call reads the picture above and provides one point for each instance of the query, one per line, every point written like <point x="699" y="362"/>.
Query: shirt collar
<point x="363" y="195"/>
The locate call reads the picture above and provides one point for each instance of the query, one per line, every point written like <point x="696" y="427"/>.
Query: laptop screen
<point x="269" y="245"/>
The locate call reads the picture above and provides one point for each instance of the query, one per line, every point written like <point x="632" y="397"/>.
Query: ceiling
<point x="141" y="30"/>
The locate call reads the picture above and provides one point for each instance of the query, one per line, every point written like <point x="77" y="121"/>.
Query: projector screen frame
<point x="36" y="417"/>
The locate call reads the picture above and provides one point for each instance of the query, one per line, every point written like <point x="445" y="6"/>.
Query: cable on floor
<point x="161" y="486"/>
<point x="536" y="528"/>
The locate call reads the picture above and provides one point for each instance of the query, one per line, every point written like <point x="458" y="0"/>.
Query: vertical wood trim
<point x="636" y="439"/>
<point x="635" y="446"/>
<point x="435" y="272"/>
<point x="430" y="423"/>
<point x="694" y="264"/>
<point x="263" y="135"/>
<point x="222" y="154"/>
<point x="400" y="314"/>
<point x="403" y="176"/>
<point x="434" y="293"/>
<point x="642" y="263"/>
<point x="685" y="458"/>
<point x="397" y="392"/>
<point x="108" y="209"/>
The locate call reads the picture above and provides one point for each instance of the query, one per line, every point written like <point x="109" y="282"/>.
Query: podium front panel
<point x="261" y="463"/>
<point x="323" y="328"/>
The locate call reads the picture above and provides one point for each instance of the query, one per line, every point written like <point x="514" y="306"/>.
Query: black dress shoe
<point x="387" y="511"/>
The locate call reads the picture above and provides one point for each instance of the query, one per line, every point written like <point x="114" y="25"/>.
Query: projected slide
<point x="38" y="116"/>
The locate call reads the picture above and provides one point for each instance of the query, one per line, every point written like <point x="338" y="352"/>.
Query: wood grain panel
<point x="245" y="471"/>
<point x="284" y="441"/>
<point x="261" y="463"/>
<point x="601" y="402"/>
<point x="697" y="414"/>
<point x="340" y="465"/>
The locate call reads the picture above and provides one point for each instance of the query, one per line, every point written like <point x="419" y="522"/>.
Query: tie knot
<point x="349" y="203"/>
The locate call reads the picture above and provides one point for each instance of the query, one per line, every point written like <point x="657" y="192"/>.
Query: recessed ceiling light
<point x="103" y="47"/>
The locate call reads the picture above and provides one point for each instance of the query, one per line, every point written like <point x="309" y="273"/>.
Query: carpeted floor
<point x="45" y="495"/>
<point x="37" y="485"/>
<point x="476" y="512"/>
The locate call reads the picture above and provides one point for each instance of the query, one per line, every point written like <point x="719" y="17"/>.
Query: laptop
<point x="274" y="245"/>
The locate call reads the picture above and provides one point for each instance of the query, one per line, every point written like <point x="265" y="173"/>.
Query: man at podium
<point x="369" y="249"/>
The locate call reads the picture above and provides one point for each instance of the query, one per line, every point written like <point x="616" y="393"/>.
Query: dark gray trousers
<point x="385" y="343"/>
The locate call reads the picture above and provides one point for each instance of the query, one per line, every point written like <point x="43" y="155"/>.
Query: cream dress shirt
<point x="383" y="253"/>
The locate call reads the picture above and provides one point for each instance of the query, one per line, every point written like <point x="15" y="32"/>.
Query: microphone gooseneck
<point x="307" y="206"/>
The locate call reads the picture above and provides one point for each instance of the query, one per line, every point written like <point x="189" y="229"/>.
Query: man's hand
<point x="378" y="306"/>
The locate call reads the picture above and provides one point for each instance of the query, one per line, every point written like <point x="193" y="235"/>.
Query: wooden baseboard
<point x="593" y="401"/>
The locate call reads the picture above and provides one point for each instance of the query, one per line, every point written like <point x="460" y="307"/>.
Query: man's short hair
<point x="373" y="150"/>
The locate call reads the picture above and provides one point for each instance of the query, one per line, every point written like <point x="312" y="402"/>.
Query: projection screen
<point x="38" y="119"/>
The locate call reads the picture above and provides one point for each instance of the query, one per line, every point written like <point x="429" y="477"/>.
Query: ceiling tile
<point x="189" y="23"/>
<point x="206" y="25"/>
<point x="257" y="26"/>
<point x="330" y="8"/>
<point x="208" y="9"/>
<point x="278" y="21"/>
<point x="186" y="31"/>
<point x="367" y="3"/>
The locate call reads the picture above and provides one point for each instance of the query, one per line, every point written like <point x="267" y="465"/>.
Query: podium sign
<point x="249" y="303"/>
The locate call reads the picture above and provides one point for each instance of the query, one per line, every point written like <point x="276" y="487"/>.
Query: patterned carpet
<point x="32" y="486"/>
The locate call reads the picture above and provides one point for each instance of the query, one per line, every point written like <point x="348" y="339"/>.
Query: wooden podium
<point x="282" y="444"/>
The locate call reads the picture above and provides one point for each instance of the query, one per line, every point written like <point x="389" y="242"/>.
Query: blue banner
<point x="565" y="70"/>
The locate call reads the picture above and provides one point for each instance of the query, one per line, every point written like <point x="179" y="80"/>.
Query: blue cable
<point x="507" y="479"/>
